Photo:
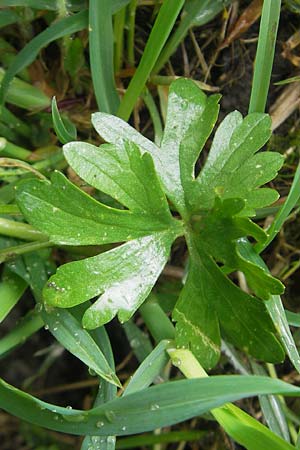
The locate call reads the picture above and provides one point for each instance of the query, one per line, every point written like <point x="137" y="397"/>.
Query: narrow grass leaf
<point x="24" y="329"/>
<point x="275" y="308"/>
<point x="195" y="14"/>
<point x="64" y="128"/>
<point x="101" y="40"/>
<point x="264" y="55"/>
<point x="138" y="341"/>
<point x="150" y="368"/>
<point x="12" y="287"/>
<point x="106" y="392"/>
<point x="293" y="318"/>
<point x="161" y="438"/>
<point x="239" y="425"/>
<point x="272" y="409"/>
<point x="8" y="17"/>
<point x="27" y="55"/>
<point x="177" y="401"/>
<point x="283" y="213"/>
<point x="159" y="34"/>
<point x="21" y="93"/>
<point x="67" y="330"/>
<point x="37" y="4"/>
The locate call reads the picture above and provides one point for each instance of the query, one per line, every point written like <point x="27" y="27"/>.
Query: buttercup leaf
<point x="214" y="209"/>
<point x="197" y="324"/>
<point x="121" y="172"/>
<point x="71" y="217"/>
<point x="243" y="319"/>
<point x="124" y="276"/>
<point x="232" y="169"/>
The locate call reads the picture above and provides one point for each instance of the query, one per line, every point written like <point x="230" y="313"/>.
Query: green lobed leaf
<point x="124" y="276"/>
<point x="191" y="116"/>
<point x="223" y="220"/>
<point x="197" y="324"/>
<point x="71" y="217"/>
<point x="122" y="173"/>
<point x="243" y="319"/>
<point x="232" y="170"/>
<point x="190" y="119"/>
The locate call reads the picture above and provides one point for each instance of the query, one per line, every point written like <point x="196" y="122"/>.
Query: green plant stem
<point x="61" y="8"/>
<point x="119" y="23"/>
<point x="160" y="32"/>
<point x="25" y="95"/>
<point x="157" y="321"/>
<point x="55" y="161"/>
<point x="240" y="426"/>
<point x="25" y="328"/>
<point x="12" y="252"/>
<point x="20" y="230"/>
<point x="265" y="55"/>
<point x="15" y="123"/>
<point x="131" y="30"/>
<point x="196" y="13"/>
<point x="154" y="113"/>
<point x="14" y="151"/>
<point x="101" y="55"/>
<point x="10" y="209"/>
<point x="283" y="212"/>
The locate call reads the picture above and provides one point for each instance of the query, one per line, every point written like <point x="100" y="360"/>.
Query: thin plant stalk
<point x="265" y="55"/>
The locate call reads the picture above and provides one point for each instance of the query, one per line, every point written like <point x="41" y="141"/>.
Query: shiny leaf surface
<point x="124" y="276"/>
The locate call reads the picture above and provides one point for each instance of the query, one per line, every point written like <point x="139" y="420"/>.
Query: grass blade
<point x="106" y="392"/>
<point x="272" y="410"/>
<point x="64" y="129"/>
<point x="27" y="55"/>
<point x="21" y="93"/>
<point x="139" y="341"/>
<point x="8" y="17"/>
<point x="239" y="425"/>
<point x="176" y="400"/>
<point x="293" y="318"/>
<point x="101" y="40"/>
<point x="67" y="330"/>
<point x="196" y="13"/>
<point x="162" y="438"/>
<point x="274" y="307"/>
<point x="160" y="32"/>
<point x="283" y="213"/>
<point x="25" y="328"/>
<point x="150" y="368"/>
<point x="265" y="55"/>
<point x="50" y="5"/>
<point x="12" y="288"/>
